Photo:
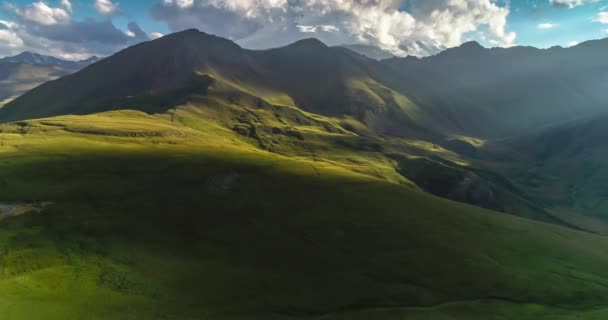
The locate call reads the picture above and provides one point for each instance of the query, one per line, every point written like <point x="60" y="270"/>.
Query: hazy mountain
<point x="27" y="70"/>
<point x="563" y="166"/>
<point x="504" y="91"/>
<point x="32" y="58"/>
<point x="17" y="78"/>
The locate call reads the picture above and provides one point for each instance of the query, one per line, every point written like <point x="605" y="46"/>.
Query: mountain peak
<point x="30" y="57"/>
<point x="191" y="30"/>
<point x="309" y="43"/>
<point x="194" y="37"/>
<point x="471" y="45"/>
<point x="470" y="48"/>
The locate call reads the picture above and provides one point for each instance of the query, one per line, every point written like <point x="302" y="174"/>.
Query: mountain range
<point x="187" y="177"/>
<point x="467" y="90"/>
<point x="459" y="99"/>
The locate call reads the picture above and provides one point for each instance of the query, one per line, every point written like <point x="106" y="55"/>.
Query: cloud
<point x="570" y="3"/>
<point x="51" y="30"/>
<point x="66" y="4"/>
<point x="9" y="40"/>
<point x="546" y="25"/>
<point x="106" y="7"/>
<point x="155" y="35"/>
<point x="572" y="43"/>
<point x="40" y="13"/>
<point x="425" y="25"/>
<point x="602" y="17"/>
<point x="314" y="29"/>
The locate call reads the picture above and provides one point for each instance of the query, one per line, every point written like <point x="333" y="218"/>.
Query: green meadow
<point x="175" y="217"/>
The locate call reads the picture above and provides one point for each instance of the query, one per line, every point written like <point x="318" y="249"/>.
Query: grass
<point x="152" y="219"/>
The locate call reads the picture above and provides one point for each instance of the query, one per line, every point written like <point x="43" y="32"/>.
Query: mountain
<point x="463" y="91"/>
<point x="468" y="90"/>
<point x="25" y="71"/>
<point x="307" y="74"/>
<point x="32" y="58"/>
<point x="189" y="178"/>
<point x="18" y="78"/>
<point x="354" y="93"/>
<point x="500" y="92"/>
<point x="563" y="166"/>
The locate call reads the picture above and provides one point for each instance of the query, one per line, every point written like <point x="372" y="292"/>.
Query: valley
<point x="189" y="178"/>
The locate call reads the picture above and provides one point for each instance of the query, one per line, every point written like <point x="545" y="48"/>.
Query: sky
<point x="78" y="29"/>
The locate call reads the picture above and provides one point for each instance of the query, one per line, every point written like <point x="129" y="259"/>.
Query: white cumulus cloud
<point x="602" y="17"/>
<point x="9" y="39"/>
<point x="41" y="27"/>
<point x="40" y="13"/>
<point x="66" y="4"/>
<point x="106" y="7"/>
<point x="314" y="29"/>
<point x="383" y="23"/>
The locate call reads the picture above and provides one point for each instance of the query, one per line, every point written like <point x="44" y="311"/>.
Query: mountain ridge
<point x="29" y="57"/>
<point x="324" y="80"/>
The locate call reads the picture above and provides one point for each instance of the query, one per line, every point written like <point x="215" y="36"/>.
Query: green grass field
<point x="152" y="219"/>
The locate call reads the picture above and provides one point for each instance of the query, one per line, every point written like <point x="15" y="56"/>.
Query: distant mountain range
<point x="32" y="58"/>
<point x="468" y="90"/>
<point x="27" y="70"/>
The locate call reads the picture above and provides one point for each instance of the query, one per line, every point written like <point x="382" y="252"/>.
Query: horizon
<point x="78" y="29"/>
<point x="309" y="38"/>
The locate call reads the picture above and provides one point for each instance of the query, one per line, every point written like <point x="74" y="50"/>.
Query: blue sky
<point x="80" y="28"/>
<point x="575" y="24"/>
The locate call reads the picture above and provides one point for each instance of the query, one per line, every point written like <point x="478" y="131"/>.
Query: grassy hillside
<point x="152" y="219"/>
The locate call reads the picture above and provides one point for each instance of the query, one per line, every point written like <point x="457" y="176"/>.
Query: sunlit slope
<point x="152" y="219"/>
